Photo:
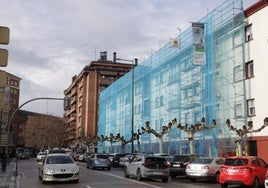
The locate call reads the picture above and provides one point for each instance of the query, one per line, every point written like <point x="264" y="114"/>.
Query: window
<point x="248" y="32"/>
<point x="251" y="107"/>
<point x="249" y="69"/>
<point x="238" y="73"/>
<point x="238" y="110"/>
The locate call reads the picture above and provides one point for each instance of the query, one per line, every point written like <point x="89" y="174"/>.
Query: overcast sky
<point x="53" y="40"/>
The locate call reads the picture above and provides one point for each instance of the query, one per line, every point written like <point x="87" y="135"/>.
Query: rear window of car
<point x="236" y="162"/>
<point x="202" y="161"/>
<point x="102" y="156"/>
<point x="155" y="160"/>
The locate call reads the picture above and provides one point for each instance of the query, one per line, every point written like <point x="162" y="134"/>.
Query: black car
<point x="179" y="163"/>
<point x="116" y="159"/>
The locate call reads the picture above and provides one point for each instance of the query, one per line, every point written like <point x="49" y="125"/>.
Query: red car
<point x="243" y="170"/>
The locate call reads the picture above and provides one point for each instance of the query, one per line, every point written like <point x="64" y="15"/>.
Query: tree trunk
<point x="161" y="145"/>
<point x="191" y="143"/>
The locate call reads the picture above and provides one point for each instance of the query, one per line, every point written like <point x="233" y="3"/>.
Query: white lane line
<point x="126" y="179"/>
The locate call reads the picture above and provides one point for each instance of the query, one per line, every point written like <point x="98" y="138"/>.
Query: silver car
<point x="147" y="166"/>
<point x="58" y="167"/>
<point x="99" y="160"/>
<point x="205" y="168"/>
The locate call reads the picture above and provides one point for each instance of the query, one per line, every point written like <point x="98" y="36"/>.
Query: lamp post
<point x="135" y="62"/>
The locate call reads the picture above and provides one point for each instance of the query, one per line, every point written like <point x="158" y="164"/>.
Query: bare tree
<point x="191" y="130"/>
<point x="244" y="131"/>
<point x="159" y="135"/>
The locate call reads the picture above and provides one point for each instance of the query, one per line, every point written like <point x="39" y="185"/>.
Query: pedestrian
<point x="4" y="161"/>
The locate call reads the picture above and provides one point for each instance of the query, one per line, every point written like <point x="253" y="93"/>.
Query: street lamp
<point x="132" y="101"/>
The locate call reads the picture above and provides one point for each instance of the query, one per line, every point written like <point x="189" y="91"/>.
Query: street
<point x="28" y="178"/>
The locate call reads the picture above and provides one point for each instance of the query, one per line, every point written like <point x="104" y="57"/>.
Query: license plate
<point x="233" y="171"/>
<point x="176" y="165"/>
<point x="157" y="172"/>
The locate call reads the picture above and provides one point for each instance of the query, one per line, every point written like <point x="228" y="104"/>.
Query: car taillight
<point x="246" y="169"/>
<point x="188" y="166"/>
<point x="145" y="164"/>
<point x="166" y="165"/>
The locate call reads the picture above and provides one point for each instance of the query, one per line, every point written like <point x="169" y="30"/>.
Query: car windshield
<point x="181" y="158"/>
<point x="236" y="162"/>
<point x="59" y="160"/>
<point x="202" y="161"/>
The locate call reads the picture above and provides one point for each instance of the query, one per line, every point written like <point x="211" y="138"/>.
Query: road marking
<point x="126" y="179"/>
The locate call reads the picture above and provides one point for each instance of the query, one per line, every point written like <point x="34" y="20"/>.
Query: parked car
<point x="124" y="160"/>
<point x="147" y="166"/>
<point x="23" y="155"/>
<point x="58" y="167"/>
<point x="99" y="160"/>
<point x="179" y="162"/>
<point x="116" y="159"/>
<point x="83" y="156"/>
<point x="40" y="156"/>
<point x="204" y="168"/>
<point x="243" y="170"/>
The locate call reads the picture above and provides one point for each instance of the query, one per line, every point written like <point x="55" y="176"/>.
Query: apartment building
<point x="9" y="102"/>
<point x="256" y="57"/>
<point x="82" y="116"/>
<point x="228" y="83"/>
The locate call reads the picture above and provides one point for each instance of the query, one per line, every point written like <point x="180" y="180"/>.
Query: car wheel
<point x="255" y="183"/>
<point x="138" y="175"/>
<point x="217" y="177"/>
<point x="109" y="168"/>
<point x="165" y="180"/>
<point x="224" y="186"/>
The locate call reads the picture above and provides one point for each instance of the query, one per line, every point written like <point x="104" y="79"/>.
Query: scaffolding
<point x="172" y="83"/>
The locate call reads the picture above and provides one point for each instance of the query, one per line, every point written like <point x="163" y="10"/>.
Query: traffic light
<point x="3" y="79"/>
<point x="4" y="39"/>
<point x="66" y="103"/>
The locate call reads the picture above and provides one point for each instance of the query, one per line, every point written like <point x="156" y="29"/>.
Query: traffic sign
<point x="4" y="35"/>
<point x="3" y="57"/>
<point x="3" y="79"/>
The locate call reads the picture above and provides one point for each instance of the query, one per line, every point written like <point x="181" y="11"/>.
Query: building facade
<point x="9" y="102"/>
<point x="82" y="116"/>
<point x="207" y="75"/>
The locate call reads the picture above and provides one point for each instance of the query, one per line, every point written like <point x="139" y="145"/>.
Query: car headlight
<point x="76" y="169"/>
<point x="49" y="171"/>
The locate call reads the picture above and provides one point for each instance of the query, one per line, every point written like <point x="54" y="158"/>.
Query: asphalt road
<point x="28" y="178"/>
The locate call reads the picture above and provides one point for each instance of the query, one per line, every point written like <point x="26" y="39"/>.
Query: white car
<point x="58" y="167"/>
<point x="40" y="156"/>
<point x="205" y="168"/>
<point x="147" y="166"/>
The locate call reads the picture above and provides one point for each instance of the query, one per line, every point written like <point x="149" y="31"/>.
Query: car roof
<point x="58" y="154"/>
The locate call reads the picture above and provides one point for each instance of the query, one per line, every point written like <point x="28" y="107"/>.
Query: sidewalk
<point x="8" y="178"/>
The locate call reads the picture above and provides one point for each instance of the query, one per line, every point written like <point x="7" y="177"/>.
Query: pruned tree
<point x="192" y="129"/>
<point x="101" y="139"/>
<point x="136" y="136"/>
<point x="243" y="132"/>
<point x="159" y="135"/>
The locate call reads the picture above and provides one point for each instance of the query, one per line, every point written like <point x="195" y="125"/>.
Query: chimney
<point x="114" y="59"/>
<point x="136" y="61"/>
<point x="103" y="56"/>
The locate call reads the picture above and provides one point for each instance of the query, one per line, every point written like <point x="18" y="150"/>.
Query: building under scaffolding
<point x="200" y="76"/>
